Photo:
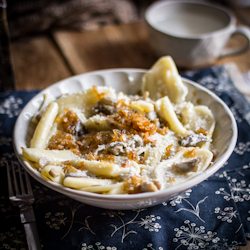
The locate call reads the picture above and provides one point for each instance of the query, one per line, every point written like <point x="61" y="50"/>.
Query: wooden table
<point x="43" y="60"/>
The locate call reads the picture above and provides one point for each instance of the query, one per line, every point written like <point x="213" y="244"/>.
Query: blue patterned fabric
<point x="212" y="215"/>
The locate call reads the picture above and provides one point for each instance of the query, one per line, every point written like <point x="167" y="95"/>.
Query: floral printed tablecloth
<point x="212" y="215"/>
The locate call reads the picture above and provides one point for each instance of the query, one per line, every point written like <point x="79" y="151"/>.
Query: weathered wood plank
<point x="37" y="63"/>
<point x="116" y="46"/>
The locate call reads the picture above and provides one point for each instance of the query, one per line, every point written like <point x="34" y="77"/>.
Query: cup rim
<point x="231" y="24"/>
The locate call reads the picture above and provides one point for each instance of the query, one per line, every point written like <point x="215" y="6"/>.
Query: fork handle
<point x="29" y="221"/>
<point x="32" y="236"/>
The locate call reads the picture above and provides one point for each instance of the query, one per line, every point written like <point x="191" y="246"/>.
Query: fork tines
<point x="20" y="194"/>
<point x="18" y="183"/>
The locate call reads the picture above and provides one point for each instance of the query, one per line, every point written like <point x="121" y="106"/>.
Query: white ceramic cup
<point x="193" y="33"/>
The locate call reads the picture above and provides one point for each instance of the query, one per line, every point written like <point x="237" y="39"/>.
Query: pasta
<point x="42" y="130"/>
<point x="112" y="143"/>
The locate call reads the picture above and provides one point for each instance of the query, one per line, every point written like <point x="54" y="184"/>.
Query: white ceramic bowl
<point x="128" y="81"/>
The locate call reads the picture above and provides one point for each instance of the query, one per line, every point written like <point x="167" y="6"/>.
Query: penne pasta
<point x="58" y="157"/>
<point x="53" y="173"/>
<point x="53" y="156"/>
<point x="116" y="188"/>
<point x="142" y="106"/>
<point x="39" y="139"/>
<point x="47" y="99"/>
<point x="98" y="168"/>
<point x="81" y="182"/>
<point x="198" y="117"/>
<point x="165" y="109"/>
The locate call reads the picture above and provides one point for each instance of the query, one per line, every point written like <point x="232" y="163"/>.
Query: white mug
<point x="193" y="33"/>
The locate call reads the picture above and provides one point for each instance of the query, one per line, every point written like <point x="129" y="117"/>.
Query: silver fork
<point x="21" y="195"/>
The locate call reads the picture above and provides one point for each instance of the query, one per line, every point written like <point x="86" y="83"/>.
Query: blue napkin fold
<point x="215" y="214"/>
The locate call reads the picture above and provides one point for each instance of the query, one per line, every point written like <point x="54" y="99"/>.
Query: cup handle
<point x="243" y="31"/>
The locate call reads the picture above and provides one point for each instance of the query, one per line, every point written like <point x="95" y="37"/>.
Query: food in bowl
<point x="112" y="143"/>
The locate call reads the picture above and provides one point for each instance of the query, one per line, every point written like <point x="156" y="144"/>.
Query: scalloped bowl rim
<point x="124" y="197"/>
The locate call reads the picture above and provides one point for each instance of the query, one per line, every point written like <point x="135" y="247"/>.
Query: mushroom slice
<point x="116" y="148"/>
<point x="105" y="106"/>
<point x="191" y="165"/>
<point x="150" y="186"/>
<point x="193" y="140"/>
